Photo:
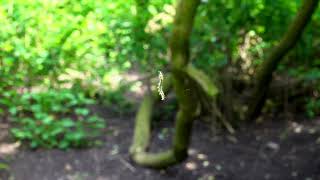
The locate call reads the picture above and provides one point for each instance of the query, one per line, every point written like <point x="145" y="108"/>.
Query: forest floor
<point x="274" y="150"/>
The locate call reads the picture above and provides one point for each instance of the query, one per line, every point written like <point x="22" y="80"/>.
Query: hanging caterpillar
<point x="161" y="93"/>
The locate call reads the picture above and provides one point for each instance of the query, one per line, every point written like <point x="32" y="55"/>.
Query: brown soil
<point x="277" y="150"/>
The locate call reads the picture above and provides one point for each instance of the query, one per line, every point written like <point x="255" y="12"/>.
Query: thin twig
<point x="128" y="165"/>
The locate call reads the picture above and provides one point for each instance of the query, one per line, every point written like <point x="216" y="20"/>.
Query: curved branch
<point x="202" y="80"/>
<point x="142" y="129"/>
<point x="289" y="40"/>
<point x="179" y="49"/>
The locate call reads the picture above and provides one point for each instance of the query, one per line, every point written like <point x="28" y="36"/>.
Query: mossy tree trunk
<point x="269" y="65"/>
<point x="183" y="87"/>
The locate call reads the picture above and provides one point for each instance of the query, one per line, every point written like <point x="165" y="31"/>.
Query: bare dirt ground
<point x="278" y="150"/>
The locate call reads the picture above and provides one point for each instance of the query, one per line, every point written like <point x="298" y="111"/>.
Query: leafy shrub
<point x="310" y="78"/>
<point x="313" y="107"/>
<point x="117" y="101"/>
<point x="55" y="119"/>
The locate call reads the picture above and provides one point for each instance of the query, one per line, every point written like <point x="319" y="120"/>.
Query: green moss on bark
<point x="183" y="87"/>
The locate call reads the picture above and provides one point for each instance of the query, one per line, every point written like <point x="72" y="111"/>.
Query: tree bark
<point x="269" y="65"/>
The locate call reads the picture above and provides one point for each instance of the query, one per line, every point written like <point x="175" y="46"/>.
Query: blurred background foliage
<point x="90" y="48"/>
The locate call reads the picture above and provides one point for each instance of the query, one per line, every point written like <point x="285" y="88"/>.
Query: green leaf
<point x="4" y="166"/>
<point x="82" y="111"/>
<point x="47" y="120"/>
<point x="34" y="144"/>
<point x="13" y="110"/>
<point x="64" y="144"/>
<point x="67" y="123"/>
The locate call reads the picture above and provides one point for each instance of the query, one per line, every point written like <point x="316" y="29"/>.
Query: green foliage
<point x="4" y="166"/>
<point x="117" y="101"/>
<point x="57" y="43"/>
<point x="76" y="43"/>
<point x="49" y="46"/>
<point x="56" y="54"/>
<point x="313" y="107"/>
<point x="55" y="119"/>
<point x="244" y="31"/>
<point x="309" y="77"/>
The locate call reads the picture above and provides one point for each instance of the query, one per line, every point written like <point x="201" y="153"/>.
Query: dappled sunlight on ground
<point x="9" y="148"/>
<point x="273" y="151"/>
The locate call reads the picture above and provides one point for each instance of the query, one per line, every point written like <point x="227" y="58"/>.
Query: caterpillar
<point x="161" y="93"/>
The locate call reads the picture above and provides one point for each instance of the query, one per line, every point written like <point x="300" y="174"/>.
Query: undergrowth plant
<point x="55" y="119"/>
